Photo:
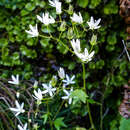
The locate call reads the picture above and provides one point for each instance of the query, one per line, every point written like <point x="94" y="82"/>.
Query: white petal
<point x="22" y="105"/>
<point x="13" y="78"/>
<point x="65" y="97"/>
<point x="52" y="3"/>
<point x="51" y="94"/>
<point x="65" y="91"/>
<point x="45" y="86"/>
<point x="91" y="54"/>
<point x="73" y="77"/>
<point x="20" y="128"/>
<point x="39" y="18"/>
<point x="67" y="77"/>
<point x="14" y="109"/>
<point x="65" y="81"/>
<point x="86" y="52"/>
<point x="17" y="113"/>
<point x="11" y="82"/>
<point x="17" y="104"/>
<point x="53" y="89"/>
<point x="25" y="126"/>
<point x="70" y="100"/>
<point x="45" y="91"/>
<point x="97" y="22"/>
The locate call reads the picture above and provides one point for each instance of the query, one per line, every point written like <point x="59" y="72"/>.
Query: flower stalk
<point x="88" y="107"/>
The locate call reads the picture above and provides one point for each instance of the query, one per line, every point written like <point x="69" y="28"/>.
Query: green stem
<point x="44" y="36"/>
<point x="58" y="40"/>
<point x="60" y="18"/>
<point x="48" y="31"/>
<point x="58" y="110"/>
<point x="76" y="31"/>
<point x="84" y="82"/>
<point x="49" y="116"/>
<point x="91" y="49"/>
<point x="101" y="120"/>
<point x="88" y="107"/>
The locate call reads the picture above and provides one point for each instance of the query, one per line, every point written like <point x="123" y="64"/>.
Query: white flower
<point x="93" y="24"/>
<point x="69" y="80"/>
<point x="85" y="56"/>
<point x="46" y="19"/>
<point x="14" y="80"/>
<point x="22" y="128"/>
<point x="61" y="73"/>
<point x="49" y="89"/>
<point x="57" y="5"/>
<point x="76" y="45"/>
<point x="19" y="108"/>
<point x="68" y="95"/>
<point x="38" y="95"/>
<point x="77" y="18"/>
<point x="33" y="32"/>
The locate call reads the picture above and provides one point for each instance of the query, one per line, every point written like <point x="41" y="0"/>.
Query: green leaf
<point x="24" y="12"/>
<point x="82" y="3"/>
<point x="3" y="42"/>
<point x="30" y="6"/>
<point x="61" y="49"/>
<point x="94" y="3"/>
<point x="111" y="8"/>
<point x="45" y="116"/>
<point x="79" y="94"/>
<point x="58" y="123"/>
<point x="124" y="124"/>
<point x="111" y="39"/>
<point x="93" y="102"/>
<point x="44" y="42"/>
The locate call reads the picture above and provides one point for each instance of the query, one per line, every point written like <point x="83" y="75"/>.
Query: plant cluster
<point x="63" y="37"/>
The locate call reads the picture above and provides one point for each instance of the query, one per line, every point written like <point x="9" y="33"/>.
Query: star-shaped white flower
<point x="93" y="24"/>
<point x="85" y="56"/>
<point x="19" y="108"/>
<point x="15" y="80"/>
<point x="68" y="95"/>
<point x="57" y="5"/>
<point x="49" y="89"/>
<point x="22" y="128"/>
<point x="38" y="95"/>
<point x="33" y="32"/>
<point x="46" y="19"/>
<point x="77" y="18"/>
<point x="69" y="80"/>
<point x="61" y="73"/>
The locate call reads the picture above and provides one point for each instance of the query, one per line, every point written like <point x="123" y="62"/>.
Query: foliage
<point x="124" y="124"/>
<point x="37" y="58"/>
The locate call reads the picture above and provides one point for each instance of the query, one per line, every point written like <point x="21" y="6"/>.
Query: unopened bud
<point x="93" y="40"/>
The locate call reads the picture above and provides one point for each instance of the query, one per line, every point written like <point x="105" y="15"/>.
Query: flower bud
<point x="68" y="1"/>
<point x="93" y="40"/>
<point x="35" y="84"/>
<point x="53" y="80"/>
<point x="70" y="11"/>
<point x="70" y="33"/>
<point x="62" y="26"/>
<point x="61" y="73"/>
